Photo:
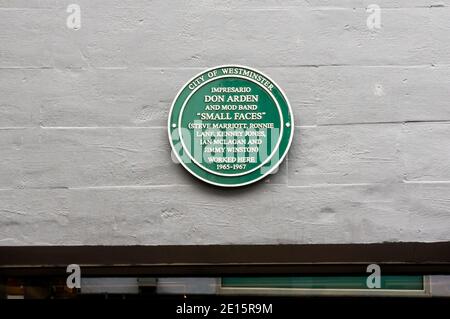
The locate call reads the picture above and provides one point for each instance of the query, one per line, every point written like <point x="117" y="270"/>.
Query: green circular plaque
<point x="230" y="126"/>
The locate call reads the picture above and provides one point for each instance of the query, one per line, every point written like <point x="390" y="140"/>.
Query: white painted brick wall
<point x="84" y="152"/>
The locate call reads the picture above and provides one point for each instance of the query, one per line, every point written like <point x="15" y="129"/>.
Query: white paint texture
<point x="85" y="158"/>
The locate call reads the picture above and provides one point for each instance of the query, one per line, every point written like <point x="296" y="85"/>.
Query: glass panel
<point x="324" y="282"/>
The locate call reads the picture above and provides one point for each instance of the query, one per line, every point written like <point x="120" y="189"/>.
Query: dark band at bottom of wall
<point x="395" y="258"/>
